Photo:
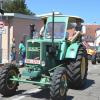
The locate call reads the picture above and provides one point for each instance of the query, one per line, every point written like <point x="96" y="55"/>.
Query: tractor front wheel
<point x="58" y="87"/>
<point x="7" y="86"/>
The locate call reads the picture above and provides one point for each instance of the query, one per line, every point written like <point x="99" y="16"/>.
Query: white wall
<point x="97" y="41"/>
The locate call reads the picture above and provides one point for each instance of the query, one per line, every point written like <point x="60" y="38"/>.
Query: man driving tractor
<point x="75" y="30"/>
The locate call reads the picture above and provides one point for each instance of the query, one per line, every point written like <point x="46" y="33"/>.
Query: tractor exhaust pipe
<point x="52" y="49"/>
<point x="53" y="29"/>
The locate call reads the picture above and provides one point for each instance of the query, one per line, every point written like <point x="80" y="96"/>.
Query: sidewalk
<point x="92" y="89"/>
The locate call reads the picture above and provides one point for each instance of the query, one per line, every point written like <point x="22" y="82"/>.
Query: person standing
<point x="43" y="28"/>
<point x="13" y="51"/>
<point x="32" y="30"/>
<point x="22" y="53"/>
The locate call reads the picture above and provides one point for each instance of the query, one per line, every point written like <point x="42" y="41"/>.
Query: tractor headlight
<point x="42" y="63"/>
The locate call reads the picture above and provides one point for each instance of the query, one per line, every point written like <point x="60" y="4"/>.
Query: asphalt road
<point x="91" y="91"/>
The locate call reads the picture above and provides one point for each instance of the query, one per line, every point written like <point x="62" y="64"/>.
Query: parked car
<point x="91" y="51"/>
<point x="96" y="57"/>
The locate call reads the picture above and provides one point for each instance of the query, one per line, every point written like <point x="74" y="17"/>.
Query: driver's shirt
<point x="81" y="28"/>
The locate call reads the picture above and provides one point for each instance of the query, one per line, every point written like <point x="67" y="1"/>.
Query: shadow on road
<point x="88" y="83"/>
<point x="16" y="93"/>
<point x="69" y="97"/>
<point x="20" y="92"/>
<point x="45" y="93"/>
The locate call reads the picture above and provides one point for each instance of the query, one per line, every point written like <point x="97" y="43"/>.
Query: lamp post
<point x="1" y="10"/>
<point x="1" y="3"/>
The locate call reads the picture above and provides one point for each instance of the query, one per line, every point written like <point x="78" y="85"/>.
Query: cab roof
<point x="72" y="18"/>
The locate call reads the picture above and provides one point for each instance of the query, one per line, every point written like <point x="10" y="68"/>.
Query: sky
<point x="89" y="10"/>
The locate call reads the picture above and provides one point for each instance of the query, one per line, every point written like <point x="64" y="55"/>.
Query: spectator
<point x="43" y="28"/>
<point x="22" y="53"/>
<point x="13" y="51"/>
<point x="32" y="30"/>
<point x="42" y="31"/>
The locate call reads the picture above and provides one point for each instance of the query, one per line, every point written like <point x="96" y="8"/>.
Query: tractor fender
<point x="72" y="50"/>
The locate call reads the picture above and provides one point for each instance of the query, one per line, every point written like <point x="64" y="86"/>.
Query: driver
<point x="73" y="30"/>
<point x="80" y="27"/>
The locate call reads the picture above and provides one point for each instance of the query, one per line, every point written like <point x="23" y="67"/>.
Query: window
<point x="59" y="29"/>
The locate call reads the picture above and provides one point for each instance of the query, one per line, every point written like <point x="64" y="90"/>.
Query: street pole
<point x="1" y="2"/>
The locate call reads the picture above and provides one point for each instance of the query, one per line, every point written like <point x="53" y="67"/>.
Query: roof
<point x="45" y="16"/>
<point x="18" y="15"/>
<point x="49" y="14"/>
<point x="91" y="29"/>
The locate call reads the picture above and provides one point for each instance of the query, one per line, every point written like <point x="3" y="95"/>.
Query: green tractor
<point x="96" y="57"/>
<point x="52" y="61"/>
<point x="98" y="54"/>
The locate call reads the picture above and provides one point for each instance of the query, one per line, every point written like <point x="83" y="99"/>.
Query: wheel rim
<point x="83" y="68"/>
<point x="63" y="85"/>
<point x="11" y="84"/>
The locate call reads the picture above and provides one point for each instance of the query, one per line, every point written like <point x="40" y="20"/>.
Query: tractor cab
<point x="54" y="41"/>
<point x="61" y="25"/>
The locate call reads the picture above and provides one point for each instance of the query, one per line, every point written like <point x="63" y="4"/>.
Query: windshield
<point x="59" y="28"/>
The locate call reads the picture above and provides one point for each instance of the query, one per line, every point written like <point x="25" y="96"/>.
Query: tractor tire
<point x="58" y="87"/>
<point x="8" y="87"/>
<point x="77" y="69"/>
<point x="99" y="61"/>
<point x="93" y="59"/>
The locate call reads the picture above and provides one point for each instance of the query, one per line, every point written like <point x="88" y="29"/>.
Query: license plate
<point x="34" y="61"/>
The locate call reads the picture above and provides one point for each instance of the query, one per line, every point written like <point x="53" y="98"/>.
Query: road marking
<point x="27" y="92"/>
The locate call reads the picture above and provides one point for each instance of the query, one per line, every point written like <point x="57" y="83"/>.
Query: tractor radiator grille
<point x="33" y="51"/>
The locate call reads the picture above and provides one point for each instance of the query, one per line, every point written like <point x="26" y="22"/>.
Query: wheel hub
<point x="63" y="85"/>
<point x="83" y="67"/>
<point x="11" y="84"/>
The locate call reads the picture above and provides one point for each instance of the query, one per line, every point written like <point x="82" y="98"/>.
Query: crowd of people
<point x="21" y="52"/>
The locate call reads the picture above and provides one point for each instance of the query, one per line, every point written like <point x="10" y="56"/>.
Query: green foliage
<point x="16" y="6"/>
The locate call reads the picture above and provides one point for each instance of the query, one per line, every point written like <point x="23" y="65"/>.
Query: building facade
<point x="15" y="26"/>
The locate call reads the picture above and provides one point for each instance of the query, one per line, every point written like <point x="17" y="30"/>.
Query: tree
<point x="16" y="6"/>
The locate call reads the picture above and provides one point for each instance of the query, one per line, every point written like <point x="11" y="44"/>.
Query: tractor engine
<point x="41" y="56"/>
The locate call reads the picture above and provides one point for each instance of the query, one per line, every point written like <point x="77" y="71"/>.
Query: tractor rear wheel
<point x="58" y="87"/>
<point x="8" y="87"/>
<point x="77" y="69"/>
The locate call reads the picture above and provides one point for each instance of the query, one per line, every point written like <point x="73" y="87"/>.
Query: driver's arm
<point x="75" y="36"/>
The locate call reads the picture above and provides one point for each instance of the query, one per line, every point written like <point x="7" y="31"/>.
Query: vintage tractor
<point x="96" y="56"/>
<point x="52" y="61"/>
